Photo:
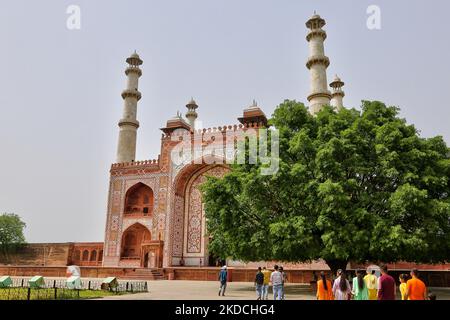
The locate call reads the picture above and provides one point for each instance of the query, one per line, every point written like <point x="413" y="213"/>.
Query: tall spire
<point x="191" y="114"/>
<point x="126" y="148"/>
<point x="338" y="94"/>
<point x="317" y="64"/>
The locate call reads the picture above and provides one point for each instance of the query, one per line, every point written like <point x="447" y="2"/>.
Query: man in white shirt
<point x="276" y="278"/>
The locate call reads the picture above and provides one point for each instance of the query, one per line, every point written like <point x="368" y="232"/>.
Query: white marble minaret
<point x="191" y="114"/>
<point x="126" y="148"/>
<point x="317" y="64"/>
<point x="338" y="94"/>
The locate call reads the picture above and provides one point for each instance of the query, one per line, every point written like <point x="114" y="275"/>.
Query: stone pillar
<point x="338" y="94"/>
<point x="126" y="148"/>
<point x="317" y="64"/>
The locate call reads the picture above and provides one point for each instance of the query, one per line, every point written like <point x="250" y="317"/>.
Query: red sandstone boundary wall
<point x="50" y="254"/>
<point x="236" y="274"/>
<point x="432" y="278"/>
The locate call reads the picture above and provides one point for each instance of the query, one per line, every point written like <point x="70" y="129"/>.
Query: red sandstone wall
<point x="39" y="254"/>
<point x="313" y="265"/>
<point x="87" y="254"/>
<point x="237" y="275"/>
<point x="402" y="265"/>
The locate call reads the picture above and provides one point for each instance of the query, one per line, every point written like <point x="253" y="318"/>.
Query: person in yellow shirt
<point x="265" y="287"/>
<point x="415" y="288"/>
<point x="403" y="278"/>
<point x="372" y="284"/>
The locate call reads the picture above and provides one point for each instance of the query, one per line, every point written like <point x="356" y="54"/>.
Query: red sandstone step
<point x="144" y="274"/>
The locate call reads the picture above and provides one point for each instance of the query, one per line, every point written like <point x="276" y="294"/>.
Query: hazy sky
<point x="60" y="89"/>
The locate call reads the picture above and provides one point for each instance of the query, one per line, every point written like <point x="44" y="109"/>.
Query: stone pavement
<point x="208" y="290"/>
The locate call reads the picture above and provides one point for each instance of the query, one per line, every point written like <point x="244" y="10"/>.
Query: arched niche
<point x="139" y="200"/>
<point x="93" y="255"/>
<point x="85" y="256"/>
<point x="132" y="240"/>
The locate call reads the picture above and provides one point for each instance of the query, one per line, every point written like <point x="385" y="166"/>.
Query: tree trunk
<point x="336" y="264"/>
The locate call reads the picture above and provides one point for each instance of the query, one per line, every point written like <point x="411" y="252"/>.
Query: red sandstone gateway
<point x="155" y="226"/>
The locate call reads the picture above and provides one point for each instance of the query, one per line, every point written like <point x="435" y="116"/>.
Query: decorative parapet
<point x="131" y="93"/>
<point x="222" y="129"/>
<point x="338" y="93"/>
<point x="129" y="122"/>
<point x="135" y="163"/>
<point x="316" y="33"/>
<point x="320" y="59"/>
<point x="319" y="95"/>
<point x="133" y="69"/>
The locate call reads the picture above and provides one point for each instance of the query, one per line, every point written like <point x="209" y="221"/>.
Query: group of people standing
<point x="263" y="279"/>
<point x="367" y="286"/>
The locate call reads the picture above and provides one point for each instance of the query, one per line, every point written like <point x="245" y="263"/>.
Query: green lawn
<point x="49" y="294"/>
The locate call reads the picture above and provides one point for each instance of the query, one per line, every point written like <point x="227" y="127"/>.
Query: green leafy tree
<point x="11" y="233"/>
<point x="352" y="186"/>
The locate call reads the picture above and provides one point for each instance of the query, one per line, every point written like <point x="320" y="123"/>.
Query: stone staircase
<point x="144" y="274"/>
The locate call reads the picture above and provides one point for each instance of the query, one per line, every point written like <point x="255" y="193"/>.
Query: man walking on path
<point x="277" y="283"/>
<point x="259" y="282"/>
<point x="386" y="285"/>
<point x="223" y="280"/>
<point x="284" y="277"/>
<point x="415" y="288"/>
<point x="265" y="290"/>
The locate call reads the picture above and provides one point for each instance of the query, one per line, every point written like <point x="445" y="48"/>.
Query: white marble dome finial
<point x="134" y="59"/>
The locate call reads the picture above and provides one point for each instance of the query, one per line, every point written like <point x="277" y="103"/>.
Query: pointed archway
<point x="188" y="235"/>
<point x="133" y="238"/>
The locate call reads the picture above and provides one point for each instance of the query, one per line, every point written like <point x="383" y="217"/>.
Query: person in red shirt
<point x="415" y="288"/>
<point x="386" y="285"/>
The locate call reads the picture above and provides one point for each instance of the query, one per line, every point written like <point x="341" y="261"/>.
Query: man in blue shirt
<point x="223" y="280"/>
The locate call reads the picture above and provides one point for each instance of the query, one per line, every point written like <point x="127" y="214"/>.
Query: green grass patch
<point x="49" y="294"/>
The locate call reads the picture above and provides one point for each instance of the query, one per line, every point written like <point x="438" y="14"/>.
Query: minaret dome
<point x="338" y="94"/>
<point x="191" y="114"/>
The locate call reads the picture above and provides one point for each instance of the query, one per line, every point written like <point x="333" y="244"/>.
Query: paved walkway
<point x="208" y="290"/>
